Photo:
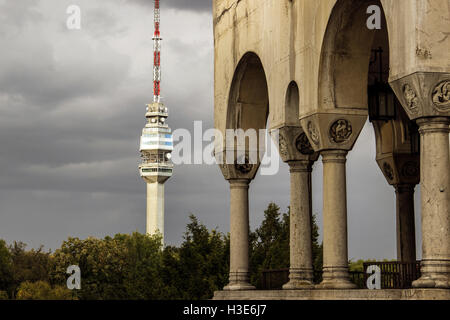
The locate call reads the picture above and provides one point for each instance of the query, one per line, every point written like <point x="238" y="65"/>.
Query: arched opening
<point x="248" y="104"/>
<point x="355" y="61"/>
<point x="292" y="105"/>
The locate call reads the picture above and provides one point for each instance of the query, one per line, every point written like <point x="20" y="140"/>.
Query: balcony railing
<point x="394" y="275"/>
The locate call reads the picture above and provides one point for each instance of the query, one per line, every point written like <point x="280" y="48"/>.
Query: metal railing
<point x="394" y="275"/>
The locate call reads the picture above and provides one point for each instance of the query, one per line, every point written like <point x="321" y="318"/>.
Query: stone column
<point x="435" y="193"/>
<point x="239" y="234"/>
<point x="301" y="270"/>
<point x="335" y="251"/>
<point x="406" y="232"/>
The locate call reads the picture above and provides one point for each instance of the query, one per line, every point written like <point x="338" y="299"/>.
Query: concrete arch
<point x="292" y="102"/>
<point x="345" y="56"/>
<point x="248" y="101"/>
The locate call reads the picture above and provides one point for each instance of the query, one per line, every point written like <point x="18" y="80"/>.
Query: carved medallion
<point x="410" y="169"/>
<point x="302" y="144"/>
<point x="245" y="167"/>
<point x="283" y="148"/>
<point x="388" y="171"/>
<point x="441" y="96"/>
<point x="341" y="131"/>
<point x="412" y="102"/>
<point x="313" y="133"/>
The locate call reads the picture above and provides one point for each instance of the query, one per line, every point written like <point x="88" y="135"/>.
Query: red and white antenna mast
<point x="157" y="55"/>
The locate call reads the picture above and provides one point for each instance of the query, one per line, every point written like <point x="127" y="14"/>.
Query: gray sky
<point x="72" y="107"/>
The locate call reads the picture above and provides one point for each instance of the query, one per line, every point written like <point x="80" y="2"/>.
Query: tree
<point x="6" y="268"/>
<point x="144" y="265"/>
<point x="269" y="244"/>
<point x="103" y="265"/>
<point x="33" y="265"/>
<point x="200" y="266"/>
<point x="41" y="290"/>
<point x="317" y="251"/>
<point x="270" y="248"/>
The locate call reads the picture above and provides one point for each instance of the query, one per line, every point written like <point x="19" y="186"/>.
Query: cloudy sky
<point x="72" y="106"/>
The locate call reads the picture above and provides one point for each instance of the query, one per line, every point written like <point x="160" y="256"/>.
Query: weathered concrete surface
<point x="292" y="64"/>
<point x="392" y="294"/>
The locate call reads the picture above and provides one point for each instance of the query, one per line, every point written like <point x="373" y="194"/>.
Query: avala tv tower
<point x="156" y="143"/>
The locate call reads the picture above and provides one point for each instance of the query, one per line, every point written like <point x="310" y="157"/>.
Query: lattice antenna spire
<point x="157" y="55"/>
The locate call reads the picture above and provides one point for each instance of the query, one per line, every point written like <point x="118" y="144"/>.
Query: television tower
<point x="156" y="143"/>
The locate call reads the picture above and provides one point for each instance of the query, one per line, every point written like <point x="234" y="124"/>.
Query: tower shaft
<point x="155" y="208"/>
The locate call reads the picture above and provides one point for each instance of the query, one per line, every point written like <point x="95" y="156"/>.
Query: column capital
<point x="239" y="171"/>
<point x="405" y="188"/>
<point x="334" y="130"/>
<point x="434" y="124"/>
<point x="239" y="183"/>
<point x="424" y="94"/>
<point x="300" y="166"/>
<point x="293" y="144"/>
<point x="336" y="156"/>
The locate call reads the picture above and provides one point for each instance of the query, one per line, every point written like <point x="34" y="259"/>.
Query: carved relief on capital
<point x="244" y="166"/>
<point x="441" y="95"/>
<point x="424" y="94"/>
<point x="341" y="131"/>
<point x="334" y="130"/>
<point x="313" y="133"/>
<point x="283" y="147"/>
<point x="294" y="145"/>
<point x="410" y="169"/>
<point x="388" y="171"/>
<point x="411" y="99"/>
<point x="303" y="146"/>
<point x="240" y="169"/>
<point x="400" y="168"/>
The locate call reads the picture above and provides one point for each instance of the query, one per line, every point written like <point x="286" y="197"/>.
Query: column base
<point x="239" y="286"/>
<point x="298" y="285"/>
<point x="435" y="274"/>
<point x="336" y="284"/>
<point x="299" y="279"/>
<point x="336" y="278"/>
<point x="239" y="281"/>
<point x="430" y="282"/>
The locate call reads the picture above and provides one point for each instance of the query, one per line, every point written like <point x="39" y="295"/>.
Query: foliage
<point x="28" y="265"/>
<point x="4" y="295"/>
<point x="359" y="264"/>
<point x="113" y="268"/>
<point x="200" y="266"/>
<point x="6" y="267"/>
<point x="269" y="244"/>
<point x="136" y="266"/>
<point x="42" y="290"/>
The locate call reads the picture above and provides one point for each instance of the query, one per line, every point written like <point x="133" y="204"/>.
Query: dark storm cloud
<point x="72" y="111"/>
<point x="192" y="5"/>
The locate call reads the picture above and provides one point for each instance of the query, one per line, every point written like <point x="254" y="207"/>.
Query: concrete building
<point x="315" y="70"/>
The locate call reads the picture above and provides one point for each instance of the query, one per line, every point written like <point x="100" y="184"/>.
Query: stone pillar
<point x="239" y="236"/>
<point x="406" y="232"/>
<point x="335" y="250"/>
<point x="296" y="150"/>
<point x="435" y="193"/>
<point x="301" y="270"/>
